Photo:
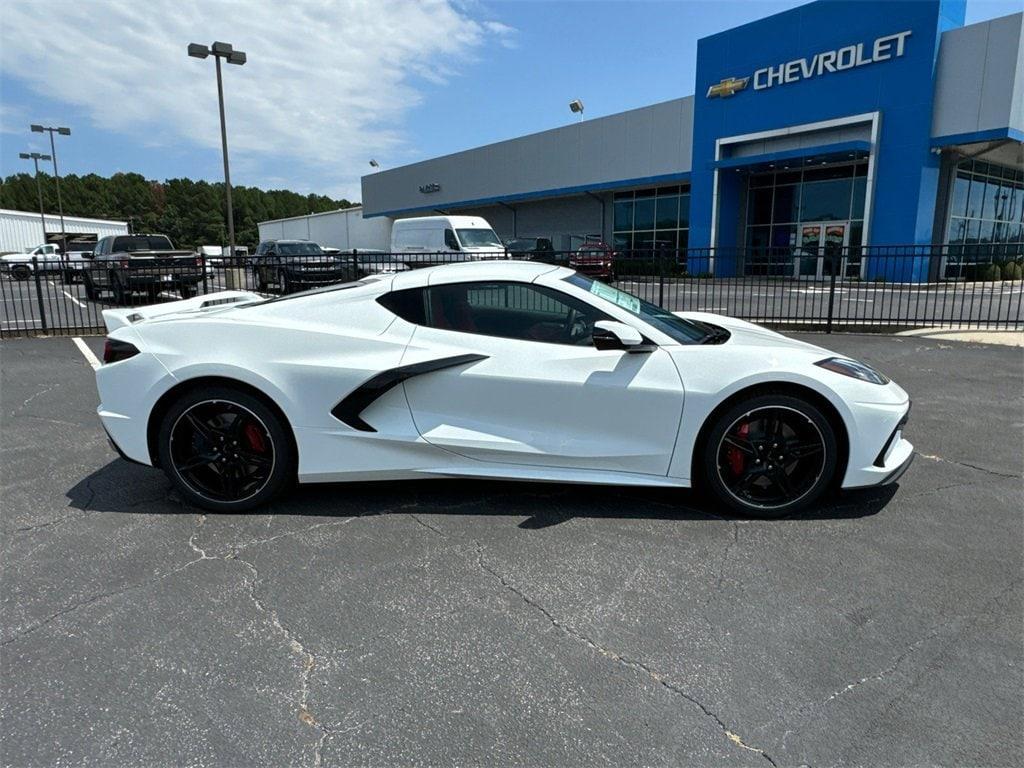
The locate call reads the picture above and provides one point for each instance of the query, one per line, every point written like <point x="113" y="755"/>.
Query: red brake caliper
<point x="734" y="455"/>
<point x="252" y="434"/>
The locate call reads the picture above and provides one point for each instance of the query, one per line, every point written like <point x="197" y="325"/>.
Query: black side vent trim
<point x="349" y="410"/>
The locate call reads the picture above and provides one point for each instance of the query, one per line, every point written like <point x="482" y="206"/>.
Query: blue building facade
<point x="838" y="124"/>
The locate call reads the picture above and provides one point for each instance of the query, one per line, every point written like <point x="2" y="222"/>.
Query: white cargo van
<point x="443" y="239"/>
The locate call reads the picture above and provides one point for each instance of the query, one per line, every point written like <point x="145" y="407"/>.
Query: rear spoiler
<point x="118" y="318"/>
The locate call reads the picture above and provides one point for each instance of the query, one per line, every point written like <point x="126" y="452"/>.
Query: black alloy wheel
<point x="770" y="456"/>
<point x="225" y="450"/>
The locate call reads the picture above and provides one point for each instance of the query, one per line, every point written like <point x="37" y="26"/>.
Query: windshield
<point x="299" y="249"/>
<point x="474" y="238"/>
<point x="680" y="330"/>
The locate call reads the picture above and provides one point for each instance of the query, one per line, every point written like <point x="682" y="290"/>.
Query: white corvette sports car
<point x="499" y="369"/>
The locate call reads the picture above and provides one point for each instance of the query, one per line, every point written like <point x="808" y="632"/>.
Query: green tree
<point x="191" y="213"/>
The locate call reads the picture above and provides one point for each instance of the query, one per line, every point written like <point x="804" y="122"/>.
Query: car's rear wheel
<point x="121" y="294"/>
<point x="91" y="292"/>
<point x="21" y="272"/>
<point x="225" y="450"/>
<point x="770" y="456"/>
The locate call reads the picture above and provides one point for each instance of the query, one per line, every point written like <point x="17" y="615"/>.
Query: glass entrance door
<point x="820" y="249"/>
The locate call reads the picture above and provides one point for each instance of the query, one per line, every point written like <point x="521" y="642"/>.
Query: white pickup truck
<point x="48" y="258"/>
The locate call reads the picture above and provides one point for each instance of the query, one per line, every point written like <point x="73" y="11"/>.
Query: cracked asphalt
<point x="473" y="623"/>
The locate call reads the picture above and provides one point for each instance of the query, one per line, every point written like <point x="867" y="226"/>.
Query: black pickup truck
<point x="126" y="264"/>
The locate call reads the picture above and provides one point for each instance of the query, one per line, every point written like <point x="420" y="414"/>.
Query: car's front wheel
<point x="769" y="456"/>
<point x="225" y="450"/>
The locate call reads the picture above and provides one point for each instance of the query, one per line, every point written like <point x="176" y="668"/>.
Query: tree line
<point x="191" y="213"/>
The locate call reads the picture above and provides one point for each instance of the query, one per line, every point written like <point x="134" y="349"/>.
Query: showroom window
<point x="654" y="220"/>
<point x="804" y="211"/>
<point x="986" y="214"/>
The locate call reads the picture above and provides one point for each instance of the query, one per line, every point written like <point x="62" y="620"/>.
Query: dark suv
<point x="530" y="248"/>
<point x="294" y="265"/>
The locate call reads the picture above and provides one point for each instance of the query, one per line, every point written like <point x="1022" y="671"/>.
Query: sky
<point x="330" y="84"/>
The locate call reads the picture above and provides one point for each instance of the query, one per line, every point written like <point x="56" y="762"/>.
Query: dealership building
<point x="832" y="124"/>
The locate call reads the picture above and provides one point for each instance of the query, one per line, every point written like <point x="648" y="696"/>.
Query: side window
<point x="450" y="240"/>
<point x="410" y="304"/>
<point x="511" y="310"/>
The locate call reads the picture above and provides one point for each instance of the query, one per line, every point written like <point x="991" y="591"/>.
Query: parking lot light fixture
<point x="35" y="157"/>
<point x="221" y="50"/>
<point x="36" y="128"/>
<point x="374" y="164"/>
<point x="576" y="107"/>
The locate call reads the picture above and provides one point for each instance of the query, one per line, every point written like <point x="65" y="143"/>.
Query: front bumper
<point x="879" y="453"/>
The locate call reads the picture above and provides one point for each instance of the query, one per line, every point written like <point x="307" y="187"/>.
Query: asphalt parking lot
<point x="471" y="623"/>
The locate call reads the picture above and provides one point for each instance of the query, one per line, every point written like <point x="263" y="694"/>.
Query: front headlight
<point x="854" y="369"/>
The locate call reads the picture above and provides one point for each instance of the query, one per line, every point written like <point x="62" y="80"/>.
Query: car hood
<point x="751" y="335"/>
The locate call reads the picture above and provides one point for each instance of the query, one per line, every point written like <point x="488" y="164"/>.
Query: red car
<point x="594" y="260"/>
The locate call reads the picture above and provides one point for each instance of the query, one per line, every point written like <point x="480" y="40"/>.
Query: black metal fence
<point x="816" y="289"/>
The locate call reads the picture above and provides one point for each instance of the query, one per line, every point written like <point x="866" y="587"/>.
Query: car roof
<point x="472" y="271"/>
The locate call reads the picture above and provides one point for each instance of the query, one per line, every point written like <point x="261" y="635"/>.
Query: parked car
<point x="594" y="260"/>
<point x="20" y="265"/>
<point x="516" y="371"/>
<point x="444" y="239"/>
<point x="126" y="264"/>
<point x="529" y="248"/>
<point x="76" y="264"/>
<point x="374" y="262"/>
<point x="294" y="265"/>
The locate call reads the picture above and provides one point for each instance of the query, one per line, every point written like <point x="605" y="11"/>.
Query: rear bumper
<point x="156" y="279"/>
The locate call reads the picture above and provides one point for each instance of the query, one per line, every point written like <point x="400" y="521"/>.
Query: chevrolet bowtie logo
<point x="727" y="87"/>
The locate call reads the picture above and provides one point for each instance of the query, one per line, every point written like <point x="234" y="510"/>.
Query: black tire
<point x="285" y="283"/>
<point x="768" y="457"/>
<point x="227" y="431"/>
<point x="91" y="291"/>
<point x="20" y="272"/>
<point x="153" y="294"/>
<point x="121" y="296"/>
<point x="261" y="284"/>
<point x="186" y="291"/>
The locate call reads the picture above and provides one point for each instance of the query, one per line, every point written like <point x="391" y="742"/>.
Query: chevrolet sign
<point x="728" y="86"/>
<point x="849" y="57"/>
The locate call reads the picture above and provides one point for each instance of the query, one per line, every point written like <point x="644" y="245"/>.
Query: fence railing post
<point x="831" y="290"/>
<point x="661" y="281"/>
<point x="39" y="294"/>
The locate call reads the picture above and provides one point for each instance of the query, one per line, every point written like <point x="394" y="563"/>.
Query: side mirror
<point x="609" y="334"/>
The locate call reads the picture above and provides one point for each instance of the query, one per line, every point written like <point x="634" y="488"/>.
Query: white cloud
<point x="327" y="84"/>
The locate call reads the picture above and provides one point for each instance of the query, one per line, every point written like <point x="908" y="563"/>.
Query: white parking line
<point x="72" y="298"/>
<point x="87" y="353"/>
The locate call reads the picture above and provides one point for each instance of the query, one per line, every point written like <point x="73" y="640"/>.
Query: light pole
<point x="35" y="157"/>
<point x="56" y="175"/>
<point x="222" y="51"/>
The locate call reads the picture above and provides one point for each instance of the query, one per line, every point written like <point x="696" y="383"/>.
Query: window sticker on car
<point x="624" y="300"/>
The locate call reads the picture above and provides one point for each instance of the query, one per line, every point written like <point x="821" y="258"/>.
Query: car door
<point x="533" y="389"/>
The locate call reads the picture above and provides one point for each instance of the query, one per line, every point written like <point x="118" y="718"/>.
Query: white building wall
<point x="22" y="230"/>
<point x="344" y="229"/>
